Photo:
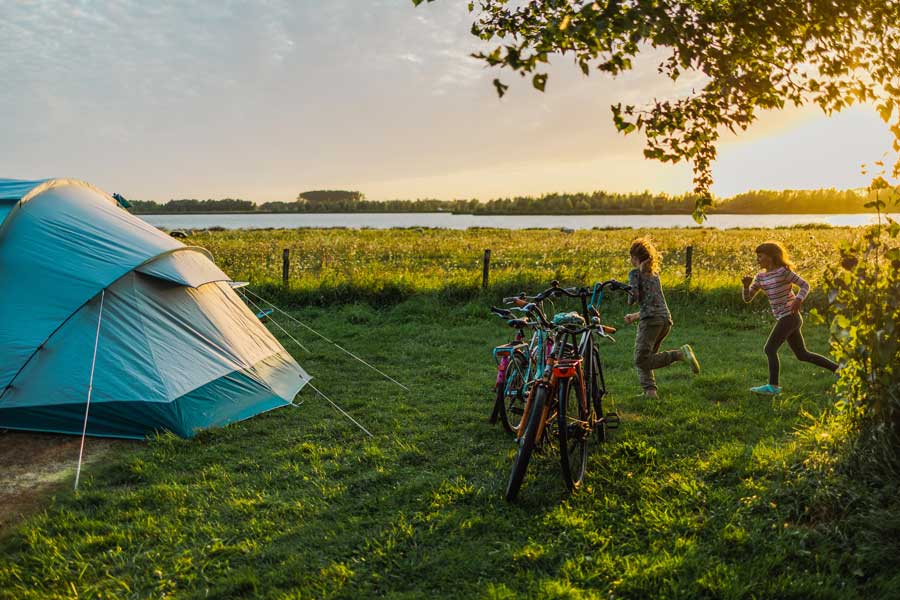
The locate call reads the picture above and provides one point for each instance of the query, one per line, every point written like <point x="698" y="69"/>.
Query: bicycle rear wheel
<point x="574" y="430"/>
<point x="512" y="402"/>
<point x="526" y="444"/>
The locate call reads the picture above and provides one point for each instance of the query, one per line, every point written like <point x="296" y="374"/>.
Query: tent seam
<point x="159" y="375"/>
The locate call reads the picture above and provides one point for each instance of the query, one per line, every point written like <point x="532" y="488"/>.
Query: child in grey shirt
<point x="654" y="318"/>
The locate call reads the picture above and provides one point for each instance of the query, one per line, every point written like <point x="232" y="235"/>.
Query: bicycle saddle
<point x="568" y="318"/>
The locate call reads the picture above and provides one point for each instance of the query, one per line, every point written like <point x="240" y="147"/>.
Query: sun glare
<point x="806" y="150"/>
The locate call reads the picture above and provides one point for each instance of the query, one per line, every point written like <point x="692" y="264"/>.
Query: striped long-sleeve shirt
<point x="778" y="287"/>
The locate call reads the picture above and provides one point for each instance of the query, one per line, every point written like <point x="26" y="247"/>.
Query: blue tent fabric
<point x="178" y="350"/>
<point x="16" y="189"/>
<point x="13" y="190"/>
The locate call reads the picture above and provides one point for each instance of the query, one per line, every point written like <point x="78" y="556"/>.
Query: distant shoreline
<point x="494" y="214"/>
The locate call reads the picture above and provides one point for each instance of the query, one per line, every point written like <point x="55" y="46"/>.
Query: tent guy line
<point x="259" y="310"/>
<point x="341" y="410"/>
<point x="87" y="407"/>
<point x="308" y="381"/>
<point x="338" y="346"/>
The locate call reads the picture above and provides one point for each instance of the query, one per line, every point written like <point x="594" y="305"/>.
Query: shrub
<point x="864" y="307"/>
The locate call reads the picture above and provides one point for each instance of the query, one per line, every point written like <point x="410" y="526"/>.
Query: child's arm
<point x="751" y="287"/>
<point x="634" y="281"/>
<point x="632" y="317"/>
<point x="802" y="293"/>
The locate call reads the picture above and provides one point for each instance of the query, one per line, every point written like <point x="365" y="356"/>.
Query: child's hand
<point x="795" y="305"/>
<point x="631" y="318"/>
<point x="747" y="280"/>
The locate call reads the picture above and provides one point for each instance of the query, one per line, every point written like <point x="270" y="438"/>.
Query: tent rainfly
<point x="178" y="350"/>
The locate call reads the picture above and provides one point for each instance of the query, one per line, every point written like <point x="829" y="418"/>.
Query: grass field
<point x="385" y="266"/>
<point x="706" y="492"/>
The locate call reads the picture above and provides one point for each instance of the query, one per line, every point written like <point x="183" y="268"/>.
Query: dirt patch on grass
<point x="33" y="466"/>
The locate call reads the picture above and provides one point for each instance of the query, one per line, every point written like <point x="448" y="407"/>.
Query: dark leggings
<point x="788" y="329"/>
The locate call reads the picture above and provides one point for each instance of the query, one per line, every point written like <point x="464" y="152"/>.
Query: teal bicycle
<point x="519" y="364"/>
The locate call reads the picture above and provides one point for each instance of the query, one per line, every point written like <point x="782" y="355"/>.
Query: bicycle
<point x="518" y="365"/>
<point x="560" y="403"/>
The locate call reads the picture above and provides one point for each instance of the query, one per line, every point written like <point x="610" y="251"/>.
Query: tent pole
<point x="87" y="408"/>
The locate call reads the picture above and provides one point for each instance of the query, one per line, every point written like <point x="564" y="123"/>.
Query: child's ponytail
<point x="778" y="253"/>
<point x="643" y="249"/>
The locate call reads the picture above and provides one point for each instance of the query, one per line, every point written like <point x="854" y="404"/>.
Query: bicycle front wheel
<point x="574" y="430"/>
<point x="512" y="402"/>
<point x="526" y="444"/>
<point x="598" y="391"/>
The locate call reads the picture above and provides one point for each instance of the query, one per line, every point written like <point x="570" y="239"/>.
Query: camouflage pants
<point x="647" y="357"/>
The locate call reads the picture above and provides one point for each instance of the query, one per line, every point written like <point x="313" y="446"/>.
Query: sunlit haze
<point x="264" y="100"/>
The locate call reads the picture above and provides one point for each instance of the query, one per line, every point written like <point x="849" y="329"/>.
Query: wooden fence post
<point x="285" y="266"/>
<point x="688" y="262"/>
<point x="486" y="269"/>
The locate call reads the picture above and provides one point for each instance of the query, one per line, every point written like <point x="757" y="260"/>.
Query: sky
<point x="263" y="100"/>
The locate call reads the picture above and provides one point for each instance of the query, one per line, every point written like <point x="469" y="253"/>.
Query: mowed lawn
<point x="702" y="493"/>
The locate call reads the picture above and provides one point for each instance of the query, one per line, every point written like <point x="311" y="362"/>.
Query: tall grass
<point x="385" y="266"/>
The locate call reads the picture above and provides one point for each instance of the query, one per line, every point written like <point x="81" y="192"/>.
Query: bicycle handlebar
<point x="511" y="319"/>
<point x="531" y="304"/>
<point x="502" y="312"/>
<point x="572" y="292"/>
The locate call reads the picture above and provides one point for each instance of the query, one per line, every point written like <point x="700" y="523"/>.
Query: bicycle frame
<point x="559" y="368"/>
<point x="538" y="348"/>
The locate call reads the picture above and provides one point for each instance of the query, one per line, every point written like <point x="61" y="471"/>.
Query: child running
<point x="655" y="320"/>
<point x="777" y="280"/>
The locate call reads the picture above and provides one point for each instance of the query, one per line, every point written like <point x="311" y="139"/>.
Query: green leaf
<point x="539" y="81"/>
<point x="879" y="183"/>
<point x="893" y="228"/>
<point x="501" y="89"/>
<point x="816" y="317"/>
<point x="699" y="215"/>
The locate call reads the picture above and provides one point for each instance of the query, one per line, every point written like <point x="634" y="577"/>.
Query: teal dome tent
<point x="178" y="350"/>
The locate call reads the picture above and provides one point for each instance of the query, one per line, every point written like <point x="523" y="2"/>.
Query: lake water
<point x="451" y="221"/>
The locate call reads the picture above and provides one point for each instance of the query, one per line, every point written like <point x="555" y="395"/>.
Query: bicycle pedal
<point x="612" y="420"/>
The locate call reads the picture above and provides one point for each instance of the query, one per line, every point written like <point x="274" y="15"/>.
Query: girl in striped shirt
<point x="776" y="281"/>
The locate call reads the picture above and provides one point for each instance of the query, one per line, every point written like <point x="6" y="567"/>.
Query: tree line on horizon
<point x="598" y="202"/>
